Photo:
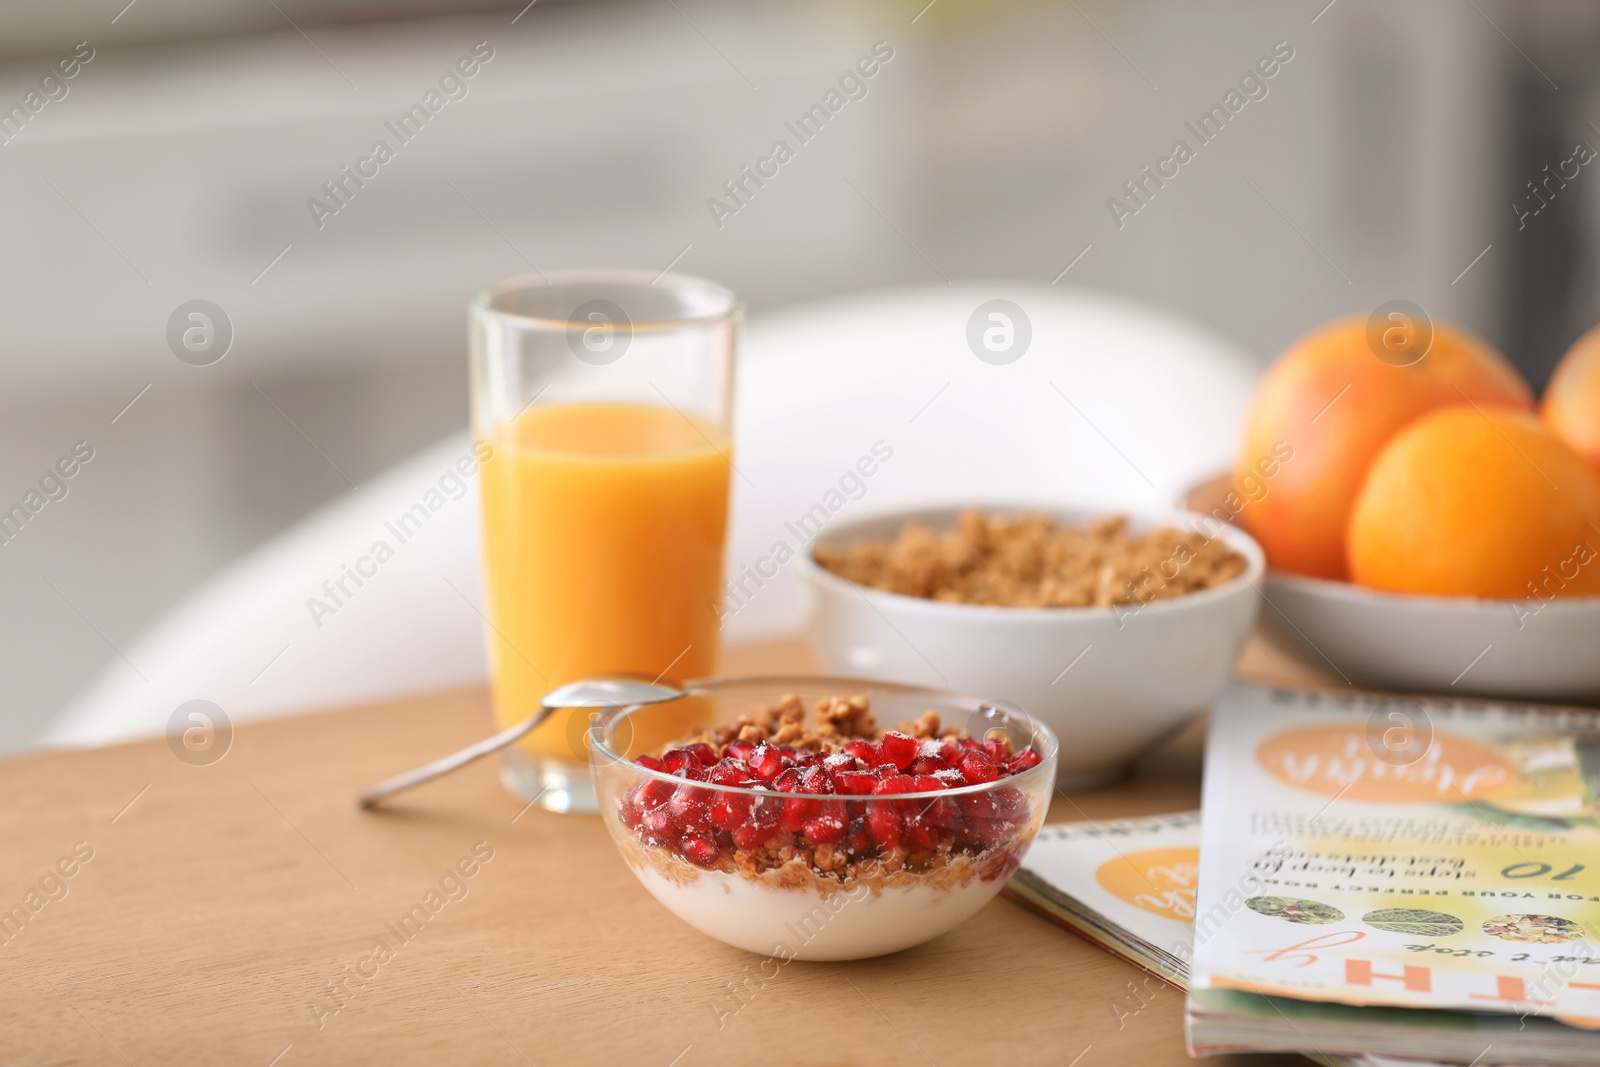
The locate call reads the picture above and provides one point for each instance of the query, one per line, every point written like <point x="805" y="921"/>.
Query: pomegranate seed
<point x="883" y="825"/>
<point x="678" y="759"/>
<point x="739" y="750"/>
<point x="651" y="762"/>
<point x="941" y="813"/>
<point x="976" y="805"/>
<point x="632" y="816"/>
<point x="997" y="749"/>
<point x="689" y="808"/>
<point x="728" y="771"/>
<point x="651" y="793"/>
<point x="661" y="823"/>
<point x="981" y="815"/>
<point x="693" y="772"/>
<point x="857" y="840"/>
<point x="862" y="751"/>
<point x="816" y="781"/>
<point x="898" y="749"/>
<point x="729" y="811"/>
<point x="926" y="783"/>
<point x="1010" y="806"/>
<point x="926" y="765"/>
<point x="915" y="832"/>
<point x="1027" y="759"/>
<point x="839" y="761"/>
<point x="795" y="814"/>
<point x="964" y="837"/>
<point x="808" y="759"/>
<point x="702" y="752"/>
<point x="829" y="824"/>
<point x="766" y="762"/>
<point x="969" y="743"/>
<point x="760" y="823"/>
<point x="701" y="851"/>
<point x="895" y="783"/>
<point x="858" y="783"/>
<point x="976" y="767"/>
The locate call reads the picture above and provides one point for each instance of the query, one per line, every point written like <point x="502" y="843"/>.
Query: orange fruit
<point x="1571" y="406"/>
<point x="1324" y="411"/>
<point x="1478" y="501"/>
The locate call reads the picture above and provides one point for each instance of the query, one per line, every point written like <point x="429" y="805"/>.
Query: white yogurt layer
<point x="805" y="924"/>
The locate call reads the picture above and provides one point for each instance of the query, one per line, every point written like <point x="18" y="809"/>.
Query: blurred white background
<point x="1383" y="162"/>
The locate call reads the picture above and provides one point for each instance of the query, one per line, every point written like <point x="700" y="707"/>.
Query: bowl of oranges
<point x="1427" y="524"/>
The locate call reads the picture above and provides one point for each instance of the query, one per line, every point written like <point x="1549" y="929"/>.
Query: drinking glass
<point x="602" y="411"/>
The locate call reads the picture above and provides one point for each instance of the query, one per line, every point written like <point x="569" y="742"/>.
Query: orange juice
<point x="603" y="527"/>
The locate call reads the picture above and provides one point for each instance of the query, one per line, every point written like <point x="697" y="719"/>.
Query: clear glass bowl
<point x="797" y="875"/>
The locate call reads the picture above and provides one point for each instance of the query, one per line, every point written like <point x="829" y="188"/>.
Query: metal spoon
<point x="592" y="693"/>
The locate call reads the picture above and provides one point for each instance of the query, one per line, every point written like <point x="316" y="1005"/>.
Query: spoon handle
<point x="439" y="767"/>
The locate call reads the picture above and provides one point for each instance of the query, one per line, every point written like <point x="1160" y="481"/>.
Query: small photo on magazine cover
<point x="1533" y="929"/>
<point x="1414" y="921"/>
<point x="1295" y="910"/>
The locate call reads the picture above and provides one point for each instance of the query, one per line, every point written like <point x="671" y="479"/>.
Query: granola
<point x="1031" y="561"/>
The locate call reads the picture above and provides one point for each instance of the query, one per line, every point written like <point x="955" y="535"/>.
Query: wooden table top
<point x="175" y="914"/>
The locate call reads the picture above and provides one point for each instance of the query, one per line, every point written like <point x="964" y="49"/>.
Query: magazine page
<point x="1402" y="851"/>
<point x="1136" y="876"/>
<point x="1123" y="883"/>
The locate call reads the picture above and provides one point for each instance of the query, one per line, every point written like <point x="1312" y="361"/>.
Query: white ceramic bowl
<point x="1111" y="682"/>
<point x="1512" y="648"/>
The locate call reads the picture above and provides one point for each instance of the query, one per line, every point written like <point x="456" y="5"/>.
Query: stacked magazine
<point x="1374" y="877"/>
<point x="1128" y="885"/>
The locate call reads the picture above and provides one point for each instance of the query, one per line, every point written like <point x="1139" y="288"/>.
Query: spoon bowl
<point x="589" y="693"/>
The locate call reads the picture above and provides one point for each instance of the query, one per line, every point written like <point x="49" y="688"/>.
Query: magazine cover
<point x="1403" y="852"/>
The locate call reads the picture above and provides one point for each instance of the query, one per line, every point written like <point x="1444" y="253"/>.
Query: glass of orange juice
<point x="602" y="406"/>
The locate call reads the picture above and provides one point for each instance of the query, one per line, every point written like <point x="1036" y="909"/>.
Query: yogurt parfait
<point x="798" y="828"/>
